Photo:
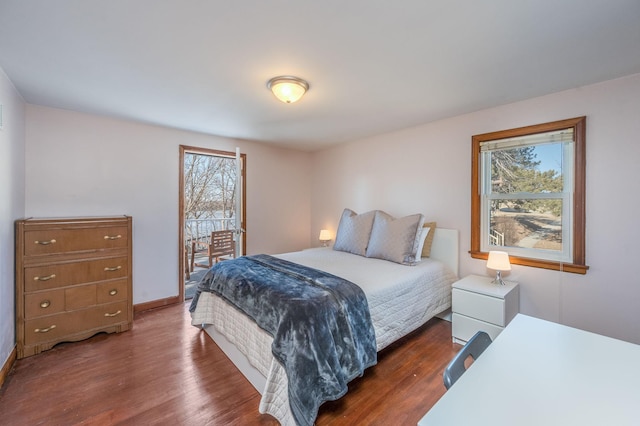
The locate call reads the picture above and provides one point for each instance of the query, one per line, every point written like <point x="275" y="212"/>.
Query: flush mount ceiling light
<point x="287" y="88"/>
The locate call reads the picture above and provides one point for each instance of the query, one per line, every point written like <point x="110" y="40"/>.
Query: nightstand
<point x="480" y="305"/>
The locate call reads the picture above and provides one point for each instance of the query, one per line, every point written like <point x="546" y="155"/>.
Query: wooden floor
<point x="165" y="371"/>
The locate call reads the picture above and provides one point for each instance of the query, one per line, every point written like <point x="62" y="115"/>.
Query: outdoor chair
<point x="219" y="247"/>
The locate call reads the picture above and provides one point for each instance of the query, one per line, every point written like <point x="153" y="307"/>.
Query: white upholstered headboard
<point x="445" y="248"/>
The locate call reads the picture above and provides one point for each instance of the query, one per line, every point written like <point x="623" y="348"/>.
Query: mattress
<point x="401" y="298"/>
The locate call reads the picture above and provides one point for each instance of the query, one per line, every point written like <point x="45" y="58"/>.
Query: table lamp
<point x="498" y="261"/>
<point x="324" y="237"/>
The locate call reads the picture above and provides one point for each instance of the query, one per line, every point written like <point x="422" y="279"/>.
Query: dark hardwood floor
<point x="165" y="371"/>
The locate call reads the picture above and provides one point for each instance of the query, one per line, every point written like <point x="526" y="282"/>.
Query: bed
<point x="400" y="299"/>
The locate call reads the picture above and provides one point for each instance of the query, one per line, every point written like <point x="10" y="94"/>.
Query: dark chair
<point x="473" y="348"/>
<point x="220" y="247"/>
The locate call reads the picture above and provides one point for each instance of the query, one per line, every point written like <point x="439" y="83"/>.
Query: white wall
<point x="427" y="169"/>
<point x="12" y="141"/>
<point x="80" y="164"/>
<point x="86" y="165"/>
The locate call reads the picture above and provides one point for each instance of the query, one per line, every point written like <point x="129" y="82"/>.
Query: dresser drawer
<point x="64" y="274"/>
<point x="51" y="302"/>
<point x="80" y="297"/>
<point x="54" y="301"/>
<point x="484" y="308"/>
<point x="112" y="291"/>
<point x="463" y="327"/>
<point x="55" y="327"/>
<point x="43" y="303"/>
<point x="55" y="241"/>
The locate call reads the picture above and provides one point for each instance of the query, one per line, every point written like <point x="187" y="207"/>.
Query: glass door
<point x="211" y="200"/>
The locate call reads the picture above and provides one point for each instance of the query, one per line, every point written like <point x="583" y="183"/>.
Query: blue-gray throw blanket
<point x="320" y="323"/>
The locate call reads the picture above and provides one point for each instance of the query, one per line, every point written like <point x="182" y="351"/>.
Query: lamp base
<point x="498" y="280"/>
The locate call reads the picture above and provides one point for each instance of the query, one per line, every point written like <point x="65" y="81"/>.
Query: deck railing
<point x="200" y="229"/>
<point x="496" y="238"/>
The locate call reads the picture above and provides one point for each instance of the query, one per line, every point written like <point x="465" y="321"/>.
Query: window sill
<point x="538" y="263"/>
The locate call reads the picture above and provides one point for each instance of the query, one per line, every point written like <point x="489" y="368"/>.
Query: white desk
<point x="542" y="373"/>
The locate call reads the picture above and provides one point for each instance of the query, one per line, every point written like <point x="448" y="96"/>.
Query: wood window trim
<point x="578" y="124"/>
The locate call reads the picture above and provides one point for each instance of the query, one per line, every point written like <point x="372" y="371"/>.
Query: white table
<point x="542" y="373"/>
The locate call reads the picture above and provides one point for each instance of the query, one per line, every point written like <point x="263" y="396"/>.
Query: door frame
<point x="185" y="149"/>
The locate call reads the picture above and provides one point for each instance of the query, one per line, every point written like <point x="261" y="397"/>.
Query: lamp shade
<point x="288" y="89"/>
<point x="325" y="235"/>
<point x="499" y="261"/>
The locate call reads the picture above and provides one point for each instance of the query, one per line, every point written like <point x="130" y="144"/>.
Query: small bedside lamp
<point x="498" y="261"/>
<point x="324" y="237"/>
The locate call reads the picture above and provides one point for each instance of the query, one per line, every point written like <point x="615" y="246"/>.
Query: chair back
<point x="473" y="348"/>
<point x="222" y="244"/>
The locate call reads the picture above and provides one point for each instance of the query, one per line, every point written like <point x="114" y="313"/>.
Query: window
<point x="528" y="195"/>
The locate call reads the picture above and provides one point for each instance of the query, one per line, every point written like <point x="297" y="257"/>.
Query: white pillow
<point x="423" y="236"/>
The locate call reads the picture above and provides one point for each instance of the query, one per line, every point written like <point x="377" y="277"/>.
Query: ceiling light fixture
<point x="288" y="88"/>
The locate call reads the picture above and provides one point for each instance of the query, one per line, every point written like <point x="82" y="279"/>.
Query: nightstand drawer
<point x="463" y="328"/>
<point x="484" y="308"/>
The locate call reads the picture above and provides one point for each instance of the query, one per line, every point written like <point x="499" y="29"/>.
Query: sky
<point x="550" y="156"/>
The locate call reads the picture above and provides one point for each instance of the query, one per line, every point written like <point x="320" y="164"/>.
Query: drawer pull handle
<point x="113" y="292"/>
<point x="116" y="268"/>
<point x="112" y="237"/>
<point x="45" y="304"/>
<point x="45" y="243"/>
<point x="47" y="278"/>
<point x="113" y="314"/>
<point x="44" y="330"/>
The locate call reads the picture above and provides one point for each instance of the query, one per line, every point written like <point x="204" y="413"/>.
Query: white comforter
<point x="401" y="298"/>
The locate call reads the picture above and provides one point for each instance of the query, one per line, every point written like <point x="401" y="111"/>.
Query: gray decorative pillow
<point x="353" y="232"/>
<point x="394" y="239"/>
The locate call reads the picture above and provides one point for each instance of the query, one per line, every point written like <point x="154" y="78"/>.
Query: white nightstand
<point x="478" y="304"/>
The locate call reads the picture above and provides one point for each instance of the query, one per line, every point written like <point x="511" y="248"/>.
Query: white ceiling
<point x="373" y="65"/>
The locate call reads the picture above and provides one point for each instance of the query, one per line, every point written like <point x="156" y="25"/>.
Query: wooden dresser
<point x="73" y="280"/>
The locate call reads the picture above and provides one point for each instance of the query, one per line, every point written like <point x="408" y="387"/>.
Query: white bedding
<point x="401" y="298"/>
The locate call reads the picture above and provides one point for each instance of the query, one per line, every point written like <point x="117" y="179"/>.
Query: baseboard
<point x="7" y="366"/>
<point x="160" y="303"/>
